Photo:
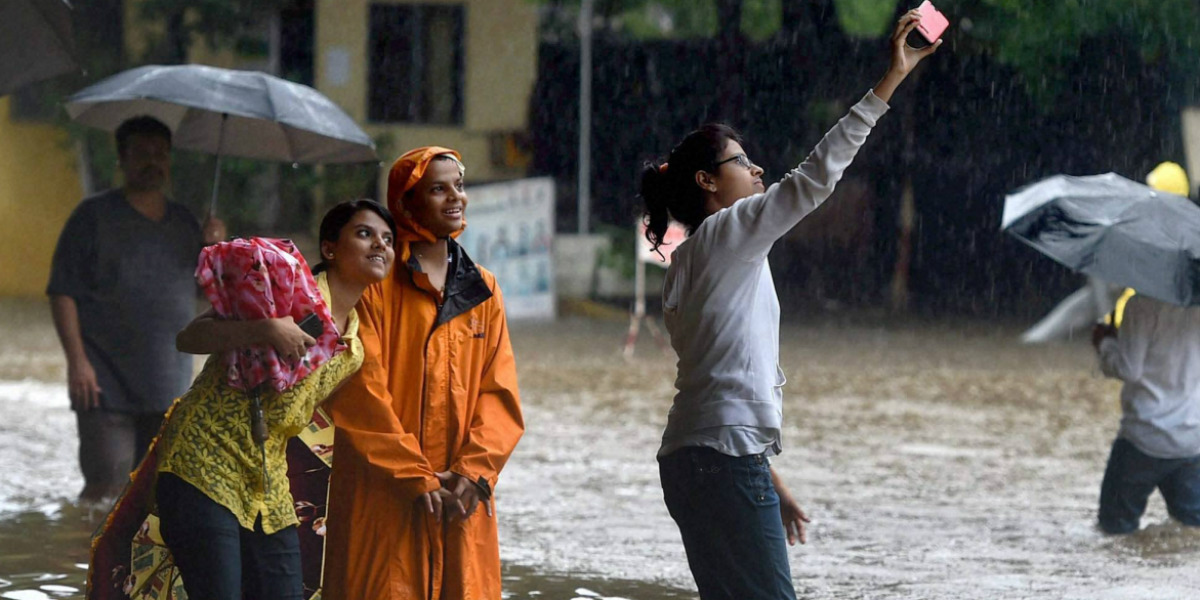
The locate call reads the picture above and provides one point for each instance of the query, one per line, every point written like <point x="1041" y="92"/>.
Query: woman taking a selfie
<point x="229" y="538"/>
<point x="722" y="313"/>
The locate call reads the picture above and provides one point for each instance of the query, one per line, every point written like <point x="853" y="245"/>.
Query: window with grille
<point x="416" y="64"/>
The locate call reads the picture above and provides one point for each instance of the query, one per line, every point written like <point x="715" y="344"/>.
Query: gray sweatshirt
<point x="721" y="310"/>
<point x="1157" y="355"/>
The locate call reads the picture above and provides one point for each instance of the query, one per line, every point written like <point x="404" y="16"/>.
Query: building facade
<point x="411" y="73"/>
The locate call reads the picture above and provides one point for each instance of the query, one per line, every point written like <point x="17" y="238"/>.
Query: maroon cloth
<point x="308" y="475"/>
<point x="110" y="565"/>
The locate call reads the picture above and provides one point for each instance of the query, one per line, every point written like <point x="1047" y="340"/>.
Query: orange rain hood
<point x="405" y="173"/>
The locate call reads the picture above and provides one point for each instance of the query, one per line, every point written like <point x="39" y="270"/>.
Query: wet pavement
<point x="938" y="460"/>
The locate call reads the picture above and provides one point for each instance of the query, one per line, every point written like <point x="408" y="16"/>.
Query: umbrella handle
<point x="212" y="205"/>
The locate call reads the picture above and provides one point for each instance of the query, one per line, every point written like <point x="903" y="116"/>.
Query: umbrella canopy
<point x="1110" y="227"/>
<point x="261" y="278"/>
<point x="227" y="112"/>
<point x="35" y="42"/>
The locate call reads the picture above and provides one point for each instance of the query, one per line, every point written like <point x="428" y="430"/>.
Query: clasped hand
<point x="458" y="496"/>
<point x="287" y="338"/>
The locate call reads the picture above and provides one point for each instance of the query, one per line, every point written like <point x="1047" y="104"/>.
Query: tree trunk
<point x="730" y="59"/>
<point x="809" y="19"/>
<point x="909" y="212"/>
<point x="99" y="31"/>
<point x="83" y="164"/>
<point x="811" y="29"/>
<point x="899" y="301"/>
<point x="177" y="41"/>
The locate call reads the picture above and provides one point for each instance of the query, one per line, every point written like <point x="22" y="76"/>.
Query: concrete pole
<point x="585" y="114"/>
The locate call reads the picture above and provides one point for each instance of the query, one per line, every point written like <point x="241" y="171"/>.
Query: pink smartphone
<point x="933" y="23"/>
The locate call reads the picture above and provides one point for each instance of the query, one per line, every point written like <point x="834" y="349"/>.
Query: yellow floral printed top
<point x="207" y="440"/>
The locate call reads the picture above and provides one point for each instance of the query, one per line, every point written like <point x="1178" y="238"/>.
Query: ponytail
<point x="657" y="217"/>
<point x="669" y="188"/>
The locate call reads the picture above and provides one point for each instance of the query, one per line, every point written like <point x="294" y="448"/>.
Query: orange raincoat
<point x="437" y="391"/>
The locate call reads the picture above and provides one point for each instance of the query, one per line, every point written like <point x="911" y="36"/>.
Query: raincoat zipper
<point x="425" y="355"/>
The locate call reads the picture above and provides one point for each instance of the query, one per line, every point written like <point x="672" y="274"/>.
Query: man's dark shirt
<point x="132" y="282"/>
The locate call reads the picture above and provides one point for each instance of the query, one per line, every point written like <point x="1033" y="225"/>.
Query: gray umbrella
<point x="248" y="114"/>
<point x="35" y="42"/>
<point x="1110" y="227"/>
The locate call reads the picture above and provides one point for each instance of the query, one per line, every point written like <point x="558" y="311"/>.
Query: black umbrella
<point x="1110" y="227"/>
<point x="35" y="42"/>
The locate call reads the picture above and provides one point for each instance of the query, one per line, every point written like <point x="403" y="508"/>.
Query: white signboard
<point x="510" y="232"/>
<point x="1191" y="146"/>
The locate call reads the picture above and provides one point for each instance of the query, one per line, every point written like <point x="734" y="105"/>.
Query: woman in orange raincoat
<point x="424" y="428"/>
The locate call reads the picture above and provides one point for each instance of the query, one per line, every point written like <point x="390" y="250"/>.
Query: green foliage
<point x="1040" y="39"/>
<point x="865" y="18"/>
<point x="338" y="183"/>
<point x="218" y="23"/>
<point x="102" y="153"/>
<point x="672" y="19"/>
<point x="619" y="256"/>
<point x="761" y="19"/>
<point x="304" y="191"/>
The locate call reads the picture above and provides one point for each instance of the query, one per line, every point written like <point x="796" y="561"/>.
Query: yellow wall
<point x="137" y="31"/>
<point x="39" y="187"/>
<point x="501" y="68"/>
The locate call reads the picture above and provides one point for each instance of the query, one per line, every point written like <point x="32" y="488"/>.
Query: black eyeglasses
<point x="741" y="159"/>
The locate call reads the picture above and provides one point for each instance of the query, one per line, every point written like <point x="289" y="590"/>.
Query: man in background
<point x="121" y="286"/>
<point x="1156" y="353"/>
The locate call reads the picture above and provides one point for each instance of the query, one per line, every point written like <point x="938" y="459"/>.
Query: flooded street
<point x="938" y="461"/>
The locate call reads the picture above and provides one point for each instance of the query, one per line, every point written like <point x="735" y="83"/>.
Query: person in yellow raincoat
<point x="425" y="427"/>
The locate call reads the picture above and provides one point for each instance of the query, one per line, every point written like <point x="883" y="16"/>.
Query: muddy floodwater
<point x="938" y="460"/>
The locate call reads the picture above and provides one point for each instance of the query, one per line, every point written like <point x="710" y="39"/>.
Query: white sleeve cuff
<point x="871" y="107"/>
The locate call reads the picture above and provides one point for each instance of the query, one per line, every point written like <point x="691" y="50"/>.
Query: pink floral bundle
<point x="261" y="278"/>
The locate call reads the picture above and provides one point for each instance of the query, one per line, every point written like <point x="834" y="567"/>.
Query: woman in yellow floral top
<point x="229" y="538"/>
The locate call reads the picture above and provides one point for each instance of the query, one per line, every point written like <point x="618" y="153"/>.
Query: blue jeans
<point x="1130" y="478"/>
<point x="217" y="557"/>
<point x="728" y="515"/>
